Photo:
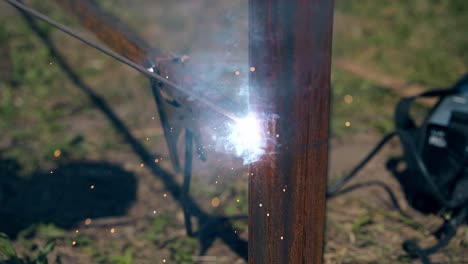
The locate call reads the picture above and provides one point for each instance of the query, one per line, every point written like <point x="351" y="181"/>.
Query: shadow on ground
<point x="66" y="196"/>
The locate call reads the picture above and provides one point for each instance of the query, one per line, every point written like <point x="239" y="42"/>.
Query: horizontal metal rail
<point x="127" y="45"/>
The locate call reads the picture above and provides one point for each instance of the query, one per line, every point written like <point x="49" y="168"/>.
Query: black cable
<point x="334" y="189"/>
<point x="387" y="189"/>
<point x="415" y="251"/>
<point x="406" y="140"/>
<point x="411" y="148"/>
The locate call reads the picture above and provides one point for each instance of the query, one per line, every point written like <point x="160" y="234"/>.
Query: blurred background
<point x="67" y="174"/>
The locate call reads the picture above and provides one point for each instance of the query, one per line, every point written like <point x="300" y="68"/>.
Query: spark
<point x="252" y="69"/>
<point x="215" y="202"/>
<point x="88" y="221"/>
<point x="112" y="230"/>
<point x="246" y="139"/>
<point x="57" y="153"/>
<point x="347" y="124"/>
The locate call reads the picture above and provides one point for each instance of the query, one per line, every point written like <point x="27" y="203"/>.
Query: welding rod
<point x="120" y="58"/>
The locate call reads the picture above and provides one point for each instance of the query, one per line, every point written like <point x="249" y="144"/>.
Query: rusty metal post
<point x="290" y="48"/>
<point x="109" y="30"/>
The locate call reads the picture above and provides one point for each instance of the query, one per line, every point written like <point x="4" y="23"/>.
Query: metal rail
<point x="290" y="46"/>
<point x="211" y="227"/>
<point x="179" y="108"/>
<point x="126" y="50"/>
<point x="124" y="41"/>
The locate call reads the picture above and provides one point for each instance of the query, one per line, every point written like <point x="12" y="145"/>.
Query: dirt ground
<point x="364" y="227"/>
<point x="101" y="202"/>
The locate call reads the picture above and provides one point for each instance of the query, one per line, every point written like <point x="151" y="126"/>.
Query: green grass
<point x="418" y="41"/>
<point x="36" y="100"/>
<point x="158" y="229"/>
<point x="371" y="109"/>
<point x="8" y="254"/>
<point x="126" y="258"/>
<point x="182" y="250"/>
<point x="415" y="40"/>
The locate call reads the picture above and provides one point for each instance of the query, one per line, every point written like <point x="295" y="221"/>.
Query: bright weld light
<point x="246" y="139"/>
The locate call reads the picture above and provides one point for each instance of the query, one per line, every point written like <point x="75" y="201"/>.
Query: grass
<point x="418" y="41"/>
<point x="157" y="231"/>
<point x="126" y="258"/>
<point x="36" y="255"/>
<point x="33" y="102"/>
<point x="182" y="250"/>
<point x="364" y="96"/>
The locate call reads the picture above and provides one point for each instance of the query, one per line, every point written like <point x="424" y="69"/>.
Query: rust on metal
<point x="108" y="29"/>
<point x="290" y="48"/>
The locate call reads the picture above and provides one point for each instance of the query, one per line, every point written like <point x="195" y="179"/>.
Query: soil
<point x="362" y="226"/>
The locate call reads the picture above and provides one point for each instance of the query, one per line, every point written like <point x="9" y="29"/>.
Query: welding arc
<point x="119" y="57"/>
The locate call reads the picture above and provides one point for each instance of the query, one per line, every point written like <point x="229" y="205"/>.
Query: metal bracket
<point x="176" y="114"/>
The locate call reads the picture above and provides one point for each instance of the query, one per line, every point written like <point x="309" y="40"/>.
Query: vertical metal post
<point x="290" y="48"/>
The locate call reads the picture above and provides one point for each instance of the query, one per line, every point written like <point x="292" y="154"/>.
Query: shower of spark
<point x="246" y="139"/>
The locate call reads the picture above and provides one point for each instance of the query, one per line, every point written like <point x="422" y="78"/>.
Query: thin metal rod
<point x="225" y="232"/>
<point x="171" y="143"/>
<point x="120" y="58"/>
<point x="187" y="178"/>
